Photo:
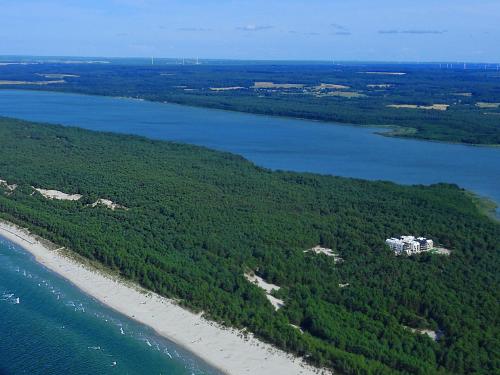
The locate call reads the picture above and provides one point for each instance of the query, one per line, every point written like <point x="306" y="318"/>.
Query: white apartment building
<point x="409" y="245"/>
<point x="396" y="245"/>
<point x="425" y="244"/>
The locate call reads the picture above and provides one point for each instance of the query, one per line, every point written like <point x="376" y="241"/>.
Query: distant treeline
<point x="364" y="100"/>
<point x="198" y="219"/>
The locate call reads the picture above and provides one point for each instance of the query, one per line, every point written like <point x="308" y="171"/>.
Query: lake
<point x="273" y="142"/>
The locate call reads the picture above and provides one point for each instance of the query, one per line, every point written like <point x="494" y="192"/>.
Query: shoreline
<point x="388" y="133"/>
<point x="226" y="349"/>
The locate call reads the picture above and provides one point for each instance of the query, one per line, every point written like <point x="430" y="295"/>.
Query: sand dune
<point x="59" y="195"/>
<point x="109" y="204"/>
<point x="268" y="288"/>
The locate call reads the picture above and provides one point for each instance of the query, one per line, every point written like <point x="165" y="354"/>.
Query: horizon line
<point x="191" y="58"/>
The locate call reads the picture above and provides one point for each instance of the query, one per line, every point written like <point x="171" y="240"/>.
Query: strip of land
<point x="230" y="350"/>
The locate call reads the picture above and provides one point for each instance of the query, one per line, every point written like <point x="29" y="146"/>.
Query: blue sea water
<point x="73" y="334"/>
<point x="48" y="326"/>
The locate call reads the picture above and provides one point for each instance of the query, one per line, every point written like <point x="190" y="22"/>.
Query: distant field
<point x="488" y="105"/>
<point x="379" y="86"/>
<point x="272" y="85"/>
<point x="226" y="88"/>
<point x="343" y="94"/>
<point x="331" y="86"/>
<point x="435" y="104"/>
<point x="437" y="107"/>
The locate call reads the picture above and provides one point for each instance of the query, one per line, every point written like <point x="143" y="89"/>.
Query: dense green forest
<point x="358" y="96"/>
<point x="197" y="220"/>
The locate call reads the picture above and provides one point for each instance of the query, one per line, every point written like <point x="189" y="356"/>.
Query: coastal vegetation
<point x="451" y="105"/>
<point x="199" y="225"/>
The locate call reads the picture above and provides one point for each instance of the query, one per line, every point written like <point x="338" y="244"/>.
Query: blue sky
<point x="404" y="30"/>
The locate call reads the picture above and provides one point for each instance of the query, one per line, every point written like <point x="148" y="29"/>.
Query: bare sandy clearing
<point x="441" y="251"/>
<point x="428" y="332"/>
<point x="272" y="85"/>
<point x="326" y="251"/>
<point x="297" y="327"/>
<point x="276" y="302"/>
<point x="261" y="283"/>
<point x="38" y="83"/>
<point x="487" y="105"/>
<point x="267" y="287"/>
<point x="432" y="334"/>
<point x="109" y="204"/>
<point x="59" y="195"/>
<point x="436" y="107"/>
<point x="321" y="250"/>
<point x="10" y="188"/>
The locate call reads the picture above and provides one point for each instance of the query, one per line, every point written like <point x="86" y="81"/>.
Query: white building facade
<point x="425" y="244"/>
<point x="409" y="245"/>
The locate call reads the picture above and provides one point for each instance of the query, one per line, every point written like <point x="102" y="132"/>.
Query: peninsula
<point x="297" y="260"/>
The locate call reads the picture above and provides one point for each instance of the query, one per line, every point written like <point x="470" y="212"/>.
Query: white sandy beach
<point x="225" y="349"/>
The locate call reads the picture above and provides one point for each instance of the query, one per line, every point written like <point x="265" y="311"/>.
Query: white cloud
<point x="252" y="27"/>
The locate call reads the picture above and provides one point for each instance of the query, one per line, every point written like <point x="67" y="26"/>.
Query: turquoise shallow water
<point x="56" y="329"/>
